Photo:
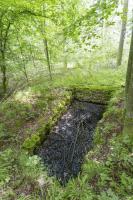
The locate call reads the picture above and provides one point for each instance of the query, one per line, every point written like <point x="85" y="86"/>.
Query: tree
<point x="10" y="12"/>
<point x="128" y="125"/>
<point x="123" y="32"/>
<point x="5" y="24"/>
<point x="46" y="49"/>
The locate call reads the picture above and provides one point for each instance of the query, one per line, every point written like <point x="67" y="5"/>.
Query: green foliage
<point x="6" y="162"/>
<point x="55" y="191"/>
<point x="109" y="195"/>
<point x="9" y="194"/>
<point x="23" y="197"/>
<point x="31" y="143"/>
<point x="78" y="189"/>
<point x="31" y="166"/>
<point x="3" y="132"/>
<point x="127" y="183"/>
<point x="91" y="169"/>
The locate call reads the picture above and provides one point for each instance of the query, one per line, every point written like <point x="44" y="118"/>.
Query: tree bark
<point x="21" y="52"/>
<point x="3" y="70"/>
<point x="65" y="63"/>
<point x="32" y="55"/>
<point x="47" y="56"/>
<point x="46" y="48"/>
<point x="128" y="125"/>
<point x="65" y="52"/>
<point x="123" y="32"/>
<point x="3" y="47"/>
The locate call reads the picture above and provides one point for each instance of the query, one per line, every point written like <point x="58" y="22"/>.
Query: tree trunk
<point x="3" y="70"/>
<point x="47" y="56"/>
<point x="65" y="63"/>
<point x="21" y="52"/>
<point x="123" y="32"/>
<point x="45" y="42"/>
<point x="3" y="47"/>
<point x="65" y="53"/>
<point x="32" y="55"/>
<point x="128" y="125"/>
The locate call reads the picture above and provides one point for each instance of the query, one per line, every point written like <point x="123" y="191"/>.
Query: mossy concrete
<point x="45" y="126"/>
<point x="94" y="94"/>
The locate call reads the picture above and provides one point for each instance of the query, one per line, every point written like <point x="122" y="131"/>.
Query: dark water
<point x="64" y="150"/>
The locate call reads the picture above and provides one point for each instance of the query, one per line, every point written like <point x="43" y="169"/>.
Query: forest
<point x="66" y="99"/>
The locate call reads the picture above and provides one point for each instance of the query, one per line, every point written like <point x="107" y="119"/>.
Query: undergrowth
<point x="85" y="76"/>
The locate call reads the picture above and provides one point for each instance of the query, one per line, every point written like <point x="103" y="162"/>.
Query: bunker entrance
<point x="70" y="140"/>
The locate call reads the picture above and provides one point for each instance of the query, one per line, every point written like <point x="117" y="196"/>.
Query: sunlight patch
<point x="27" y="96"/>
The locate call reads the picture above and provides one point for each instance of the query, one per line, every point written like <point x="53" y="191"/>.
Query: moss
<point x="31" y="142"/>
<point x="94" y="94"/>
<point x="112" y="122"/>
<point x="45" y="126"/>
<point x="94" y="87"/>
<point x="94" y="97"/>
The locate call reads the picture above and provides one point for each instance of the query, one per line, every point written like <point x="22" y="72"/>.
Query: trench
<point x="64" y="150"/>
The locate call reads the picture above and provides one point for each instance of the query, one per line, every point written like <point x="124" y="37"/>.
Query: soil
<point x="66" y="146"/>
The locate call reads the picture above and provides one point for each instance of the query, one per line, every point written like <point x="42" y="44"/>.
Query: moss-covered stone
<point x="46" y="125"/>
<point x="94" y="94"/>
<point x="112" y="121"/>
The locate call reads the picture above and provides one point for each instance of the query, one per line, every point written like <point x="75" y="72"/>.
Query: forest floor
<point x="107" y="170"/>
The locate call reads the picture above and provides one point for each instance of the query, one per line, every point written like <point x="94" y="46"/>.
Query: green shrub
<point x="109" y="195"/>
<point x="6" y="165"/>
<point x="32" y="142"/>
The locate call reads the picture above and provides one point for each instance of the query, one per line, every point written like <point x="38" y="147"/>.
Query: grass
<point x="85" y="76"/>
